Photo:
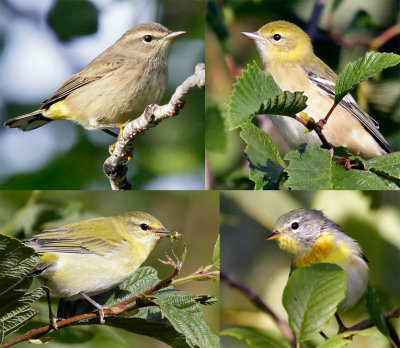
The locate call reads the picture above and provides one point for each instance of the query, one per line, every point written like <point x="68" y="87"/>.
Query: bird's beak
<point x="274" y="235"/>
<point x="174" y="34"/>
<point x="163" y="232"/>
<point x="252" y="35"/>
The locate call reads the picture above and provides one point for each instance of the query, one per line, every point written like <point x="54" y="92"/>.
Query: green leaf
<point x="255" y="339"/>
<point x="311" y="297"/>
<point x="215" y="132"/>
<point x="266" y="164"/>
<point x="285" y="103"/>
<point x="249" y="92"/>
<point x="313" y="168"/>
<point x="16" y="262"/>
<point x="149" y="322"/>
<point x="373" y="307"/>
<point x="185" y="314"/>
<point x="386" y="165"/>
<point x="361" y="69"/>
<point x="143" y="279"/>
<point x="19" y="312"/>
<point x="215" y="258"/>
<point x="345" y="338"/>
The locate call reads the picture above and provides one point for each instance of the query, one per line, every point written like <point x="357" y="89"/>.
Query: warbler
<point x="287" y="54"/>
<point x="92" y="256"/>
<point x="113" y="88"/>
<point x="310" y="237"/>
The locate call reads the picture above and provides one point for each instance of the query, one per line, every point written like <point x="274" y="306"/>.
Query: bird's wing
<point x="326" y="81"/>
<point x="96" y="236"/>
<point x="97" y="69"/>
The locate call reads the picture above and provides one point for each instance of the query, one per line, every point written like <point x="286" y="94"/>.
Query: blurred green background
<point x="42" y="43"/>
<point x="372" y="218"/>
<point x="228" y="51"/>
<point x="194" y="214"/>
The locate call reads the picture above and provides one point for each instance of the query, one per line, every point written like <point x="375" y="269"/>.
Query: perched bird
<point x="310" y="238"/>
<point x="89" y="257"/>
<point x="287" y="54"/>
<point x="115" y="87"/>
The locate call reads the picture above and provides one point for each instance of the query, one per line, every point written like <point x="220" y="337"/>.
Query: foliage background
<point x="372" y="218"/>
<point x="44" y="42"/>
<point x="194" y="214"/>
<point x="227" y="52"/>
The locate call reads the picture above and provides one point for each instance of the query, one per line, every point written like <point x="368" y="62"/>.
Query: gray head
<point x="304" y="225"/>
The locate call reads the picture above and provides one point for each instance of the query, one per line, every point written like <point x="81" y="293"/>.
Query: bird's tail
<point x="28" y="122"/>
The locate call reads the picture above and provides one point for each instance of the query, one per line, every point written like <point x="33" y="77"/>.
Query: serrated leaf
<point x="373" y="307"/>
<point x="311" y="297"/>
<point x="185" y="314"/>
<point x="216" y="250"/>
<point x="266" y="164"/>
<point x="19" y="312"/>
<point x="249" y="92"/>
<point x="285" y="103"/>
<point x="361" y="69"/>
<point x="255" y="339"/>
<point x="16" y="262"/>
<point x="143" y="279"/>
<point x="313" y="168"/>
<point x="386" y="165"/>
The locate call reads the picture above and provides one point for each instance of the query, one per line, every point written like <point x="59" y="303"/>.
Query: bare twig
<point x="116" y="166"/>
<point x="317" y="127"/>
<point x="367" y="323"/>
<point x="255" y="299"/>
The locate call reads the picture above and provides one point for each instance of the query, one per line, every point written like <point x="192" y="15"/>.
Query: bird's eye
<point x="277" y="37"/>
<point x="294" y="226"/>
<point x="147" y="38"/>
<point x="144" y="227"/>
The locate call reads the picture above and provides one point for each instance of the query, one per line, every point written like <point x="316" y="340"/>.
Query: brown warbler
<point x="115" y="87"/>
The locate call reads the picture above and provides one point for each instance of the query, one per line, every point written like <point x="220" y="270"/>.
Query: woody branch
<point x="116" y="166"/>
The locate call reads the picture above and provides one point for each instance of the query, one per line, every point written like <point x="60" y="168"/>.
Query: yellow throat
<point x="325" y="249"/>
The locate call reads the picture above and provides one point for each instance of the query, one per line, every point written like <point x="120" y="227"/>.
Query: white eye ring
<point x="294" y="225"/>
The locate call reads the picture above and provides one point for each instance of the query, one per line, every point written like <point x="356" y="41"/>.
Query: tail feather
<point x="28" y="122"/>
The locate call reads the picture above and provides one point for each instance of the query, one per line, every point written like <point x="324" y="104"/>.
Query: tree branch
<point x="116" y="166"/>
<point x="367" y="323"/>
<point x="255" y="299"/>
